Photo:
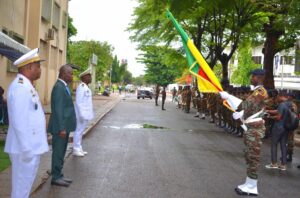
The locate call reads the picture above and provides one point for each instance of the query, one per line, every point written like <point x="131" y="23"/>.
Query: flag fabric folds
<point x="207" y="80"/>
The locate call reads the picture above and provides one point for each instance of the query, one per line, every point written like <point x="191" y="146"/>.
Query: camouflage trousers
<point x="253" y="141"/>
<point x="290" y="142"/>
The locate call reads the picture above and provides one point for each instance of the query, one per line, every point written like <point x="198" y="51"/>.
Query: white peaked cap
<point x="30" y="57"/>
<point x="88" y="71"/>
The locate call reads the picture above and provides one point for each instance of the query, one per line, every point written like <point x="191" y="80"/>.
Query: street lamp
<point x="110" y="76"/>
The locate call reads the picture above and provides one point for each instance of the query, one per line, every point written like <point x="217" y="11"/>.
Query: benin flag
<point x="207" y="80"/>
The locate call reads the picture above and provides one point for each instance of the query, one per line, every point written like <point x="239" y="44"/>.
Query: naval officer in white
<point x="84" y="111"/>
<point x="26" y="139"/>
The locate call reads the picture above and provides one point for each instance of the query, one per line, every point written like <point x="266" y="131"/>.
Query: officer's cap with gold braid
<point x="88" y="71"/>
<point x="30" y="57"/>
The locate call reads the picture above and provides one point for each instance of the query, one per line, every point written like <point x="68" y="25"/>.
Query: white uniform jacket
<point x="27" y="123"/>
<point x="84" y="103"/>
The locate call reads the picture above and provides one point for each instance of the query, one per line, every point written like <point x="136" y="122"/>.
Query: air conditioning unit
<point x="50" y="34"/>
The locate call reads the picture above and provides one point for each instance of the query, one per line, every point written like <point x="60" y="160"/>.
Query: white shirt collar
<point x="63" y="82"/>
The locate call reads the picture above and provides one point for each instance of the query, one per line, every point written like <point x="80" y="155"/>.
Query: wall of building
<point x="26" y="19"/>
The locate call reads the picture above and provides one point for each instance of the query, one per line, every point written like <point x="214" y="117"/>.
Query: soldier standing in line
<point x="253" y="106"/>
<point x="194" y="98"/>
<point x="183" y="96"/>
<point x="157" y="90"/>
<point x="291" y="134"/>
<point x="179" y="97"/>
<point x="163" y="98"/>
<point x="188" y="99"/>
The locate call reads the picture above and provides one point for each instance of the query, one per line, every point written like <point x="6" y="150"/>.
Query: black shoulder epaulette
<point x="20" y="80"/>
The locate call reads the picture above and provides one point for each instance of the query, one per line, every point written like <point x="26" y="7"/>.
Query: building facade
<point x="36" y="24"/>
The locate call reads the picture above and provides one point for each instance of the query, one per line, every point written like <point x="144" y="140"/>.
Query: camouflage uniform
<point x="253" y="136"/>
<point x="291" y="134"/>
<point x="188" y="100"/>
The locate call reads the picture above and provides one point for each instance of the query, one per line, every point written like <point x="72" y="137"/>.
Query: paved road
<point x="190" y="159"/>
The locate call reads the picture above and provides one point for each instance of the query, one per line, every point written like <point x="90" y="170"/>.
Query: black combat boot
<point x="289" y="157"/>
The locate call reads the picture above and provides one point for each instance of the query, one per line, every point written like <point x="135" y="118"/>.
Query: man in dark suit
<point x="62" y="122"/>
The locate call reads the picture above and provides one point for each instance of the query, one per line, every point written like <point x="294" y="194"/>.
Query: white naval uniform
<point x="26" y="139"/>
<point x="84" y="113"/>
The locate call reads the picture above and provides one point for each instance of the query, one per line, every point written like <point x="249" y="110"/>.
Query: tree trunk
<point x="224" y="61"/>
<point x="269" y="51"/>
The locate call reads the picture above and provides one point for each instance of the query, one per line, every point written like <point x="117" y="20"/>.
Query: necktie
<point x="68" y="90"/>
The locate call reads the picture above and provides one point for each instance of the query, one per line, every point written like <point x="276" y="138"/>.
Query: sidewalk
<point x="102" y="105"/>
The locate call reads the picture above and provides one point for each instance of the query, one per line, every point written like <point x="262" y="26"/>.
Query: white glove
<point x="237" y="115"/>
<point x="224" y="95"/>
<point x="26" y="156"/>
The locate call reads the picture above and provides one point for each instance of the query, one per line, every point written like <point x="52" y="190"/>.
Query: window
<point x="65" y="20"/>
<point x="286" y="60"/>
<point x="256" y="59"/>
<point x="56" y="16"/>
<point x="19" y="39"/>
<point x="47" y="10"/>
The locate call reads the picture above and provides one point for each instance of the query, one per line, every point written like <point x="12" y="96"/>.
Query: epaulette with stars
<point x="21" y="81"/>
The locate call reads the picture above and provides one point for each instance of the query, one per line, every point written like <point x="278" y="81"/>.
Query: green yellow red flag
<point x="207" y="80"/>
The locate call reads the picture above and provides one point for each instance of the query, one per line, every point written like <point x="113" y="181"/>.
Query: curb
<point x="68" y="154"/>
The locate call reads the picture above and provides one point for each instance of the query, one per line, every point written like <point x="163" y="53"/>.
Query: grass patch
<point x="150" y="126"/>
<point x="4" y="158"/>
<point x="4" y="128"/>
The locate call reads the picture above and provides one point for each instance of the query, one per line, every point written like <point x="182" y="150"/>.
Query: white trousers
<point x="23" y="175"/>
<point x="78" y="133"/>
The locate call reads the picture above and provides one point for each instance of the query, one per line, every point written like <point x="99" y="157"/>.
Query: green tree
<point x="157" y="70"/>
<point x="72" y="31"/>
<point x="139" y="81"/>
<point x="281" y="30"/>
<point x="81" y="52"/>
<point x="241" y="74"/>
<point x="115" y="76"/>
<point x="215" y="26"/>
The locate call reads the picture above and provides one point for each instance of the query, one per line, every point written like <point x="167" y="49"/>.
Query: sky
<point x="107" y="20"/>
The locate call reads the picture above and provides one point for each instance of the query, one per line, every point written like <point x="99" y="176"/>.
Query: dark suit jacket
<point x="62" y="110"/>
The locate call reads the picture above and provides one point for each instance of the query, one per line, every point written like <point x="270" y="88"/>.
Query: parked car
<point x="144" y="94"/>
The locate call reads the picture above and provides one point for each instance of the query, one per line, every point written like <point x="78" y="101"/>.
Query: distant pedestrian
<point x="84" y="111"/>
<point x="120" y="89"/>
<point x="163" y="98"/>
<point x="174" y="92"/>
<point x="157" y="90"/>
<point x="27" y="138"/>
<point x="62" y="121"/>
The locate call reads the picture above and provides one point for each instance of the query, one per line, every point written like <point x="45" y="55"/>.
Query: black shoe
<point x="240" y="192"/>
<point x="60" y="182"/>
<point x="289" y="157"/>
<point x="211" y="121"/>
<point x="163" y="109"/>
<point x="196" y="116"/>
<point x="298" y="166"/>
<point x="67" y="180"/>
<point x="203" y="118"/>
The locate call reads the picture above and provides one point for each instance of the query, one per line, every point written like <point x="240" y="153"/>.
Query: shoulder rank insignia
<point x="82" y="85"/>
<point x="261" y="91"/>
<point x="20" y="80"/>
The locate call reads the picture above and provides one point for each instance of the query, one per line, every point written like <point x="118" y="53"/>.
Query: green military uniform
<point x="62" y="118"/>
<point x="291" y="135"/>
<point x="252" y="137"/>
<point x="188" y="99"/>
